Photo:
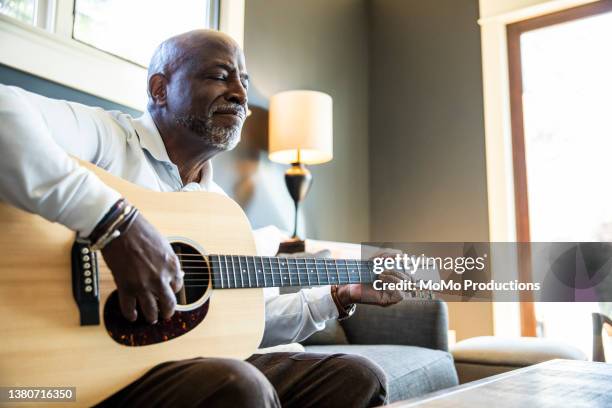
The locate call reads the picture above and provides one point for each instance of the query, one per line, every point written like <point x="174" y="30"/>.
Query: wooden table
<point x="555" y="383"/>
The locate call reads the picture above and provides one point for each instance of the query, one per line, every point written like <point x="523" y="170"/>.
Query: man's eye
<point x="219" y="78"/>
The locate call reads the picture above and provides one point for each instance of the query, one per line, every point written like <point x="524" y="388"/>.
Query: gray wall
<point x="427" y="152"/>
<point x="427" y="157"/>
<point x="320" y="45"/>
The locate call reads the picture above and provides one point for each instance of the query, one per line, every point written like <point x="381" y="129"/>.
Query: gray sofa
<point x="408" y="340"/>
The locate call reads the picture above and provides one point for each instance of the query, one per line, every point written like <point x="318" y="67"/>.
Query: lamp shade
<point x="301" y="121"/>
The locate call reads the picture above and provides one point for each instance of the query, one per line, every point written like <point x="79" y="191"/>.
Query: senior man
<point x="197" y="86"/>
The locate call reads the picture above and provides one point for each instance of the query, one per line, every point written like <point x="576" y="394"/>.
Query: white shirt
<point x="37" y="134"/>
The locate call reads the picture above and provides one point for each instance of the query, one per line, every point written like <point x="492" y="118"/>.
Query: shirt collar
<point x="149" y="137"/>
<point x="151" y="141"/>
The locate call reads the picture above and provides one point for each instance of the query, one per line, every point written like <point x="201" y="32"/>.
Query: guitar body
<point x="42" y="342"/>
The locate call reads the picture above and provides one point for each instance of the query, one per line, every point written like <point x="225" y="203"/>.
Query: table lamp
<point x="300" y="133"/>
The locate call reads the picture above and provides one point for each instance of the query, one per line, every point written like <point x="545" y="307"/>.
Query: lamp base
<point x="298" y="180"/>
<point x="292" y="246"/>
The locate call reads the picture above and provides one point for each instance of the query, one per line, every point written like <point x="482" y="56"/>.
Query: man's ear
<point x="158" y="84"/>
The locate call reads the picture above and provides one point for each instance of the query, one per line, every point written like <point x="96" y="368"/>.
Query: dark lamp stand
<point x="298" y="180"/>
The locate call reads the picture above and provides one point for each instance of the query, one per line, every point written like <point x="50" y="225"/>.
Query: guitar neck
<point x="237" y="271"/>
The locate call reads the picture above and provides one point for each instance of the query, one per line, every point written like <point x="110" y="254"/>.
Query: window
<point x="22" y="10"/>
<point x="131" y="29"/>
<point x="102" y="47"/>
<point x="561" y="93"/>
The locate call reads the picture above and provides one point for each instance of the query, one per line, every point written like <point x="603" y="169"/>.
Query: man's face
<point x="207" y="94"/>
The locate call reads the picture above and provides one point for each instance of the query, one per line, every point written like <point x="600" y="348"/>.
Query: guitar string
<point x="313" y="262"/>
<point x="302" y="262"/>
<point x="299" y="264"/>
<point x="416" y="293"/>
<point x="216" y="280"/>
<point x="250" y="257"/>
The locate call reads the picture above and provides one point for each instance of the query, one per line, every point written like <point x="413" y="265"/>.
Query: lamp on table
<point x="301" y="133"/>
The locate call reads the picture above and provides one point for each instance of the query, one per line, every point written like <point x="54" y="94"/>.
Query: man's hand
<point x="146" y="271"/>
<point x="364" y="293"/>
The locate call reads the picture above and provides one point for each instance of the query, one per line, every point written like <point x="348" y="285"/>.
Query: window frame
<point x="48" y="50"/>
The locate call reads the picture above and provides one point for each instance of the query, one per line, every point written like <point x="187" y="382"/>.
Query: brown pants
<point x="264" y="380"/>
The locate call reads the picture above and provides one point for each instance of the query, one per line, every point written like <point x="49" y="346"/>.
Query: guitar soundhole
<point x="196" y="270"/>
<point x="141" y="333"/>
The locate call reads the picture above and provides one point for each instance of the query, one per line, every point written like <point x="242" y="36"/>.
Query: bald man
<point x="197" y="85"/>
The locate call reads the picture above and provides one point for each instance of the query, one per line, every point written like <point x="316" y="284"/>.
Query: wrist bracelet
<point x="112" y="232"/>
<point x="117" y="221"/>
<point x="108" y="218"/>
<point x="343" y="312"/>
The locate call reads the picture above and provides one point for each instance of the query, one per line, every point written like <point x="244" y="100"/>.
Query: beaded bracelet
<point x="116" y="222"/>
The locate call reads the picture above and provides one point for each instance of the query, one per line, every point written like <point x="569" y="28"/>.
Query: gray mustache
<point x="239" y="109"/>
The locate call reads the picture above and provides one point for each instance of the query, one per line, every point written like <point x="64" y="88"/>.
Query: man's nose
<point x="237" y="93"/>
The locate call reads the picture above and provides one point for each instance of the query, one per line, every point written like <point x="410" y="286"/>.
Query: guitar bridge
<point x="85" y="284"/>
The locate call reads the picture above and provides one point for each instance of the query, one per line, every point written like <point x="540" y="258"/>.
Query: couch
<point x="408" y="341"/>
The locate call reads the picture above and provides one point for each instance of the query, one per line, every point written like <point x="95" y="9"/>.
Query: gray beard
<point x="218" y="137"/>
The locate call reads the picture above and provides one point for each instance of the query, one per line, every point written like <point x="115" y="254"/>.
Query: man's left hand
<point x="364" y="293"/>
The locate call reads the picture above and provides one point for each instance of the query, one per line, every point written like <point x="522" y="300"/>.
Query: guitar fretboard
<point x="236" y="271"/>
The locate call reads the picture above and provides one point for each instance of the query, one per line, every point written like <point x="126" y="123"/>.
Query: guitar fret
<point x="285" y="266"/>
<point x="219" y="262"/>
<point x="220" y="271"/>
<point x="214" y="272"/>
<point x="348" y="276"/>
<point x="297" y="269"/>
<point x="356" y="265"/>
<point x="360" y="273"/>
<point x="263" y="271"/>
<point x="337" y="270"/>
<point x="271" y="271"/>
<point x="249" y="273"/>
<point x="242" y="266"/>
<point x="348" y="271"/>
<point x="307" y="274"/>
<point x="226" y="271"/>
<point x="240" y="272"/>
<point x="233" y="271"/>
<point x="280" y="275"/>
<point x="257" y="272"/>
<point x="334" y="279"/>
<point x="361" y="276"/>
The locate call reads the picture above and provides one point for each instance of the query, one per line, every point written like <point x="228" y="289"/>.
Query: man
<point x="197" y="87"/>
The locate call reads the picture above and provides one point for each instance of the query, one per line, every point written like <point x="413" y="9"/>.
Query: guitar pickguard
<point x="141" y="333"/>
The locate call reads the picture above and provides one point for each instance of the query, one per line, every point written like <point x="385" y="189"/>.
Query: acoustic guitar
<point x="61" y="323"/>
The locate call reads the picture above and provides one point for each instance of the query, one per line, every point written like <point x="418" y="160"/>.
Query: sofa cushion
<point x="481" y="357"/>
<point x="411" y="371"/>
<point x="513" y="352"/>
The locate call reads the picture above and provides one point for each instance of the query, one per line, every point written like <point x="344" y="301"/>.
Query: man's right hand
<point x="146" y="271"/>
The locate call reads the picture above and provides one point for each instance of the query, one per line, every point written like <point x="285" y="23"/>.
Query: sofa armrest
<point x="414" y="322"/>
